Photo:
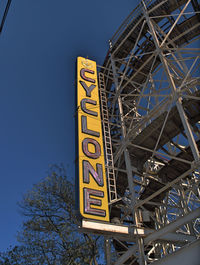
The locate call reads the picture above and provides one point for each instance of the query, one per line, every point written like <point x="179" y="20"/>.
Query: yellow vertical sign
<point x="93" y="198"/>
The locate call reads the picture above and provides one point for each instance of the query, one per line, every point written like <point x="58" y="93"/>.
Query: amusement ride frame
<point x="150" y="103"/>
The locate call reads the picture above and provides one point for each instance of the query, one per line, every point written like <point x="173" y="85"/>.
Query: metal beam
<point x="184" y="256"/>
<point x="163" y="231"/>
<point x="181" y="111"/>
<point x="169" y="185"/>
<point x="181" y="13"/>
<point x="128" y="166"/>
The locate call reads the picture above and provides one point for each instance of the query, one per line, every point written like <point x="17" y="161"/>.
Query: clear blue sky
<point x="38" y="50"/>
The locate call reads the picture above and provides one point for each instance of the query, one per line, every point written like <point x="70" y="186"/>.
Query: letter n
<point x="97" y="175"/>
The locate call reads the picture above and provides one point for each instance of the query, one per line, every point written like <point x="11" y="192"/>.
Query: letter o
<point x="97" y="146"/>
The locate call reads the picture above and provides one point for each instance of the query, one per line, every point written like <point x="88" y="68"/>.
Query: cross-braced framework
<point x="150" y="91"/>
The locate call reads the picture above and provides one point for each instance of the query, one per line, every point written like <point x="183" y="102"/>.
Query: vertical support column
<point x="185" y="208"/>
<point x="128" y="165"/>
<point x="126" y="153"/>
<point x="107" y="250"/>
<point x="181" y="111"/>
<point x="188" y="130"/>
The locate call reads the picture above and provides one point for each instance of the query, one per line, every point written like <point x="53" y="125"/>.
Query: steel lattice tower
<point x="150" y="100"/>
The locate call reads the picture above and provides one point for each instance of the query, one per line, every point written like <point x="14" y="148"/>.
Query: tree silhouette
<point x="50" y="231"/>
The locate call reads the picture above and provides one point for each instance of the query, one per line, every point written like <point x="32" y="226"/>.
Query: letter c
<point x="82" y="74"/>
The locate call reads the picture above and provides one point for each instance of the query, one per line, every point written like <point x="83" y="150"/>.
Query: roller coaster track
<point x="152" y="87"/>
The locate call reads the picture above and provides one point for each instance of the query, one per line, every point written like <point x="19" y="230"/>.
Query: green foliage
<point x="50" y="230"/>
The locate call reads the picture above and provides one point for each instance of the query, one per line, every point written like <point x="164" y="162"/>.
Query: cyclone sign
<point x="93" y="198"/>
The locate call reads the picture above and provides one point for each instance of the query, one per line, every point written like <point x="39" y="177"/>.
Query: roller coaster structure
<point x="150" y="103"/>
